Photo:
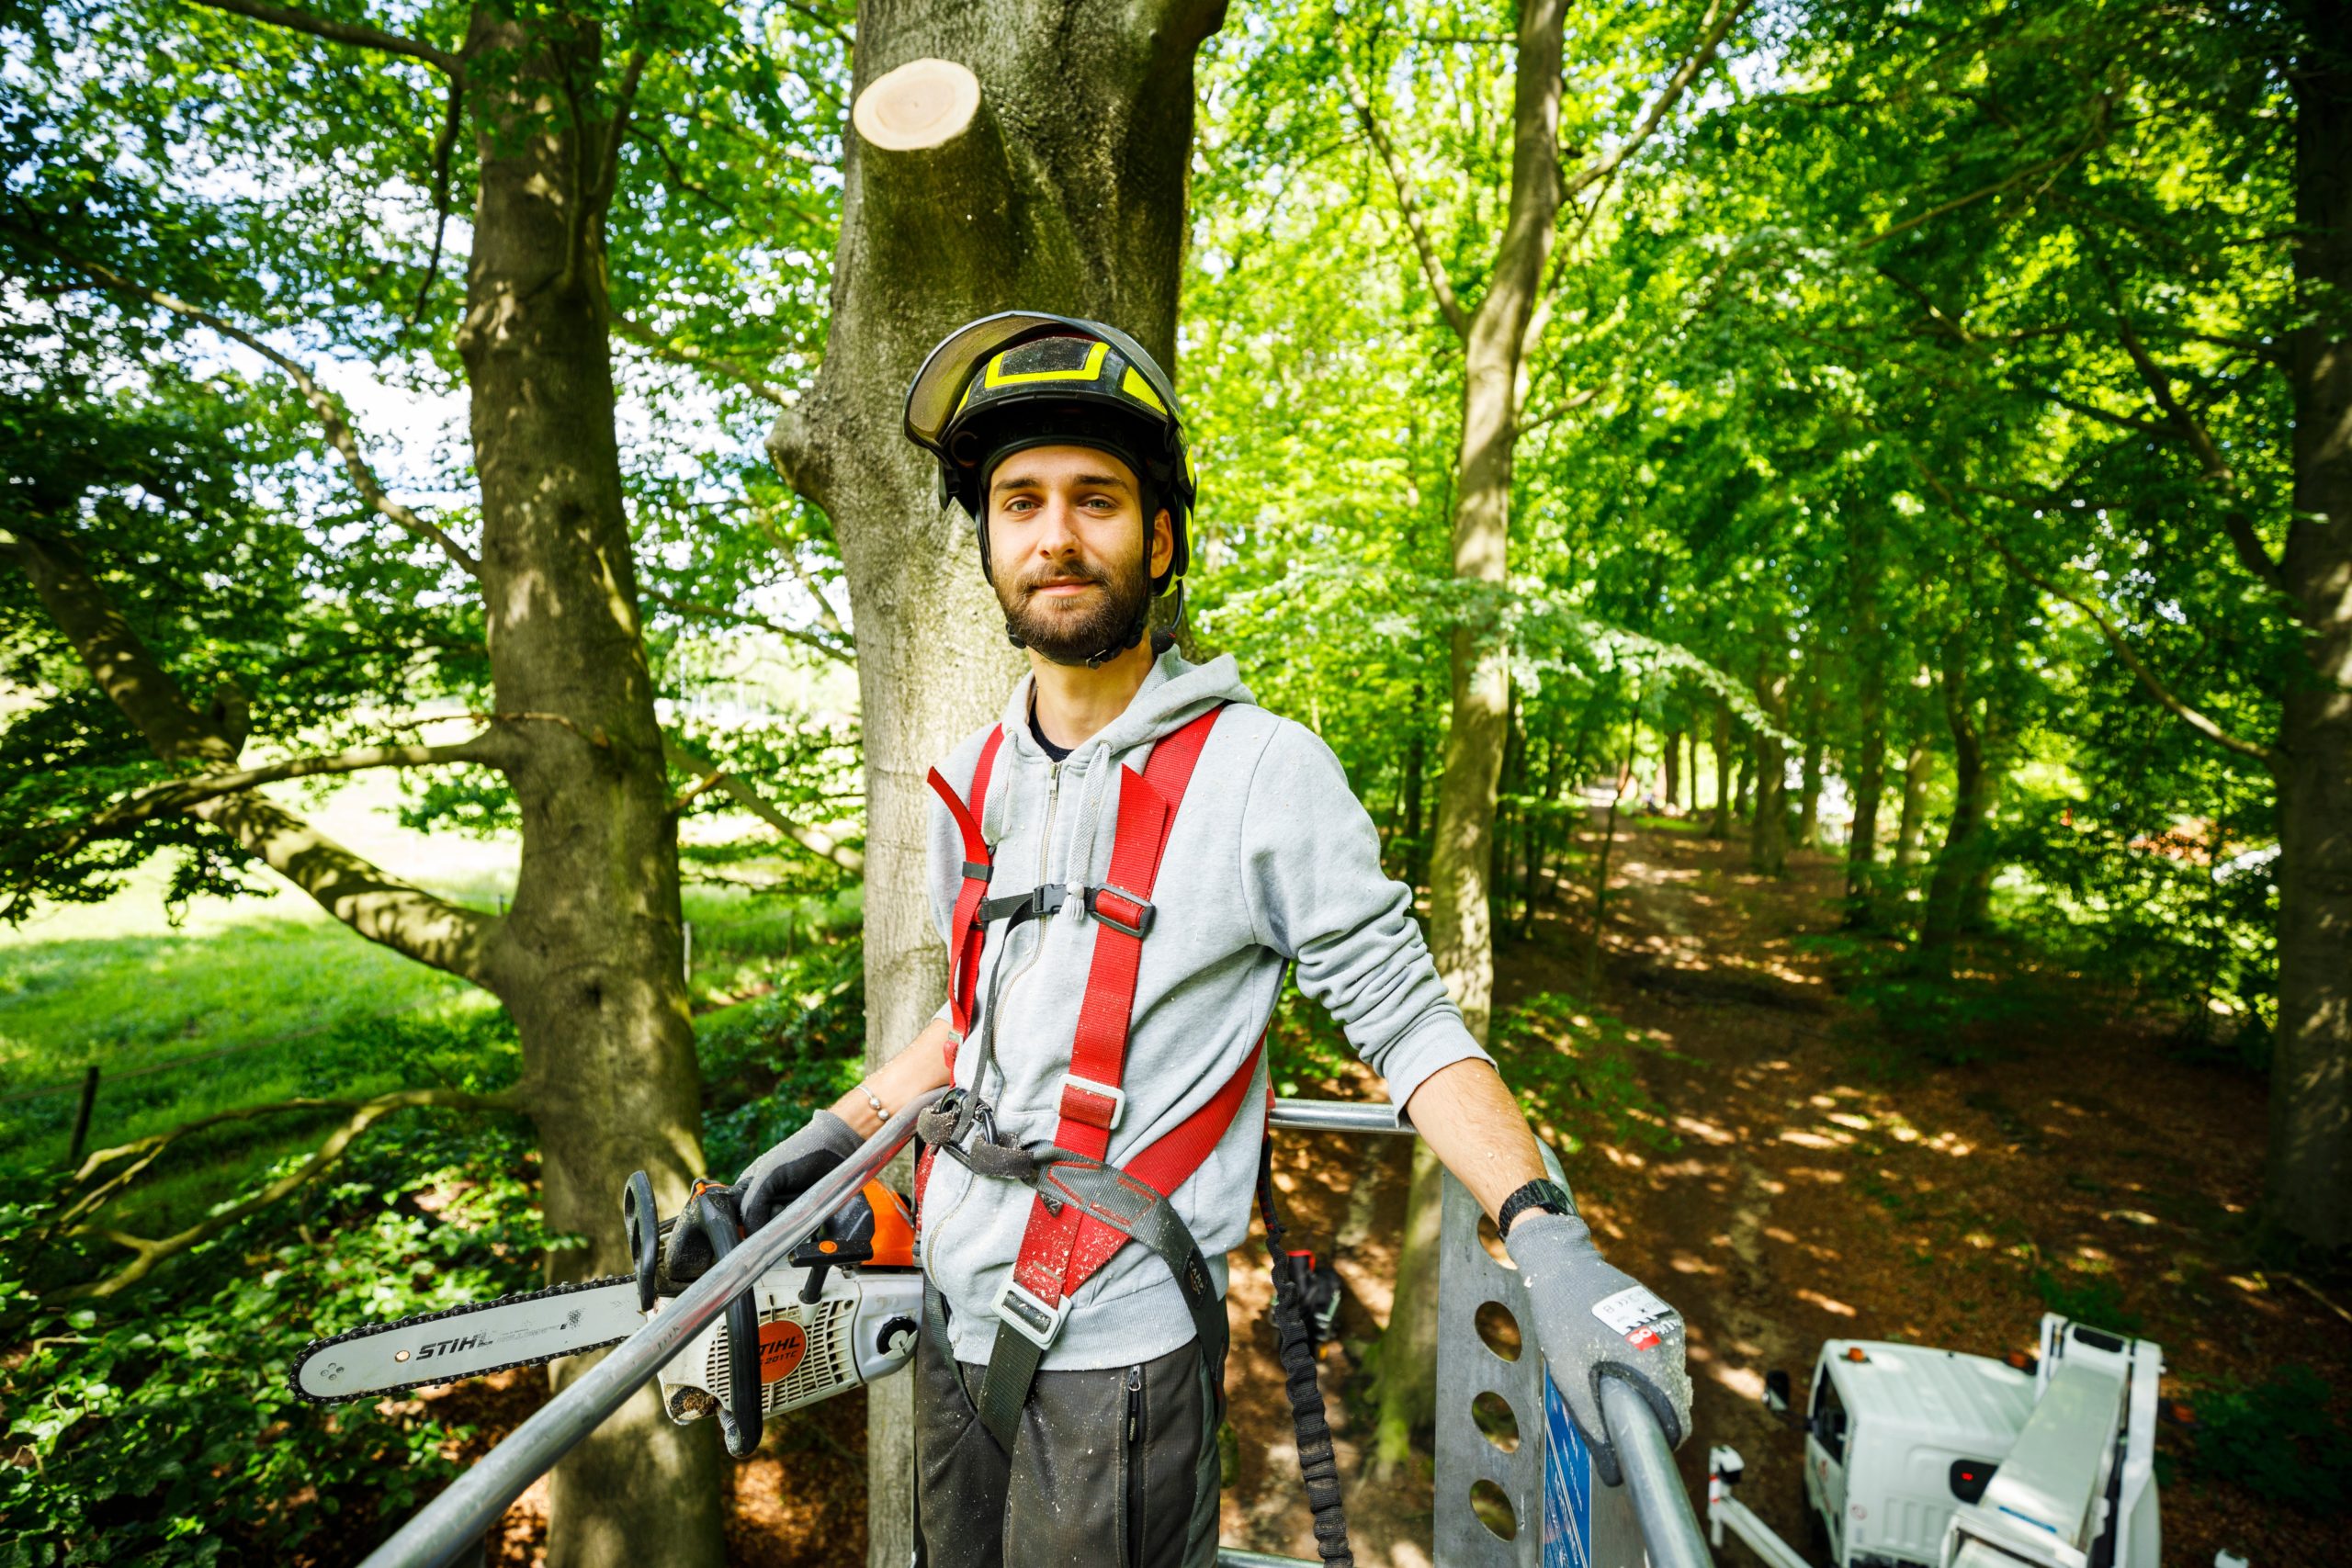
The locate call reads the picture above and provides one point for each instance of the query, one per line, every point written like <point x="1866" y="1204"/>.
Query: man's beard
<point x="1074" y="633"/>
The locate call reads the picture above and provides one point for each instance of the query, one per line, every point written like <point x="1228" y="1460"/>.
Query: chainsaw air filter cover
<point x="861" y="1327"/>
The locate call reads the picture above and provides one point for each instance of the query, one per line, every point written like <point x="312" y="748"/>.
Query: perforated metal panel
<point x="1593" y="1525"/>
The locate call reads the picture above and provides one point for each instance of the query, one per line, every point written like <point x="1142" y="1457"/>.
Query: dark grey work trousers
<point x="1114" y="1468"/>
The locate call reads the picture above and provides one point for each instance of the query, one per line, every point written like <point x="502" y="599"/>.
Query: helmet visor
<point x="939" y="385"/>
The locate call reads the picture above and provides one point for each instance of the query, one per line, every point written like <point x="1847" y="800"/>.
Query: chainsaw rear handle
<point x="712" y="1210"/>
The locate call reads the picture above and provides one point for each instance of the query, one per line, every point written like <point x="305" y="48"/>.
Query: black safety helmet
<point x="1022" y="379"/>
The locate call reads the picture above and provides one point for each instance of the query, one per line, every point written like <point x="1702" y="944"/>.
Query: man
<point x="1124" y="869"/>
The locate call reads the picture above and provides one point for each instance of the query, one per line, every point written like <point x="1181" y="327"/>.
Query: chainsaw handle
<point x="640" y="1221"/>
<point x="741" y="1415"/>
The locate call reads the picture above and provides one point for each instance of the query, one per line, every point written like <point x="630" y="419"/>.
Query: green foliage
<point x="158" y="1426"/>
<point x="2282" y="1439"/>
<point x="768" y="1064"/>
<point x="1577" y="1071"/>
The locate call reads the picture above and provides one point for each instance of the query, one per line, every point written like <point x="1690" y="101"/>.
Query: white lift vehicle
<point x="1932" y="1459"/>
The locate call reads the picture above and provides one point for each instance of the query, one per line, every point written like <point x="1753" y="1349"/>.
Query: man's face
<point x="1066" y="549"/>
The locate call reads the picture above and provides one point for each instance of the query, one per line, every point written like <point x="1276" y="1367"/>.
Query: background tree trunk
<point x="1915" y="808"/>
<point x="1867" y="769"/>
<point x="1768" y="835"/>
<point x="2309" y="1177"/>
<point x="1721" y="827"/>
<point x="589" y="958"/>
<point x="1956" y="861"/>
<point x="975" y="214"/>
<point x="1461" y="937"/>
<point x="1809" y="791"/>
<point x="1670" y="764"/>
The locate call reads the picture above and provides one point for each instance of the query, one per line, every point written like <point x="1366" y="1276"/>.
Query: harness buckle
<point x="1030" y="1315"/>
<point x="1086" y="1113"/>
<point x="1134" y="925"/>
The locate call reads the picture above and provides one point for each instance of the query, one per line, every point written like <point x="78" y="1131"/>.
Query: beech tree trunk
<point x="1062" y="189"/>
<point x="1461" y="865"/>
<point x="2309" y="1175"/>
<point x="1670" y="764"/>
<point x="1915" y="806"/>
<point x="1957" y="861"/>
<point x="1809" y="791"/>
<point x="589" y="958"/>
<point x="1868" y="769"/>
<point x="1721" y="827"/>
<point x="1767" y="834"/>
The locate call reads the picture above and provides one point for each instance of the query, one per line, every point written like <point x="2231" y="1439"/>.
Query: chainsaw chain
<point x="365" y="1331"/>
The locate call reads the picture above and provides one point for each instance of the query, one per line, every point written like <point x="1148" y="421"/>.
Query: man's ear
<point x="1163" y="542"/>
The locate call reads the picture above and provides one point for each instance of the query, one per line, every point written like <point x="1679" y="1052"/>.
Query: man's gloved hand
<point x="767" y="1187"/>
<point x="1592" y="1322"/>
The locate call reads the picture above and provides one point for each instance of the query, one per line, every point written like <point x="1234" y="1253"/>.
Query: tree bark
<point x="2309" y="1173"/>
<point x="1670" y="764"/>
<point x="1461" y="937"/>
<point x="1767" y="834"/>
<point x="1915" y="808"/>
<point x="1956" y="862"/>
<point x="1071" y="200"/>
<point x="1869" y="763"/>
<point x="1809" y="791"/>
<point x="1721" y="827"/>
<point x="589" y="958"/>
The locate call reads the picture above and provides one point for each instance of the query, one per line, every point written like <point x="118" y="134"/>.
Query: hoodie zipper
<point x="1135" y="1466"/>
<point x="1037" y="948"/>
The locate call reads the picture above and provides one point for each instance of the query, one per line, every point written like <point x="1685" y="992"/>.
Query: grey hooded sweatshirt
<point x="1270" y="859"/>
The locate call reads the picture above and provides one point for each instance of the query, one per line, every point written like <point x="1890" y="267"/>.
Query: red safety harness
<point x="1080" y="1222"/>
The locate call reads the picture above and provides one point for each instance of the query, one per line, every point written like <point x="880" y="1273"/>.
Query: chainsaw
<point x="840" y="1312"/>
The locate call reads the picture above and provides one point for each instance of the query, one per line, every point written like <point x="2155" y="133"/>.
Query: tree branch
<point x="742" y="617"/>
<point x="1717" y="22"/>
<point x="360" y="35"/>
<point x="443" y="145"/>
<point x="1441" y="287"/>
<point x="2097" y="133"/>
<point x="695" y="358"/>
<point x="378" y="907"/>
<point x="823" y="846"/>
<point x="179" y="795"/>
<point x="364" y="1113"/>
<point x="2195" y="719"/>
<point x="330" y="414"/>
<point x="2235" y="523"/>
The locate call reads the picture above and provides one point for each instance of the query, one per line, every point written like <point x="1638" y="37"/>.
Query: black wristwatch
<point x="1548" y="1196"/>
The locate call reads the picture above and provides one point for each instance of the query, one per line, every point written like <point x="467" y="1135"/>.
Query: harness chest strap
<point x="967" y="932"/>
<point x="1069" y="1239"/>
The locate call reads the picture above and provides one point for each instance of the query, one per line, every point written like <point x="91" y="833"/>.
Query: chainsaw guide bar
<point x="450" y="1367"/>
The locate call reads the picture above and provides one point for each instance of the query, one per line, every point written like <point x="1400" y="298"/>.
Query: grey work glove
<point x="767" y="1187"/>
<point x="1594" y="1322"/>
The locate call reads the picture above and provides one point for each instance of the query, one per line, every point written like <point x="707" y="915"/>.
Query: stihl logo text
<point x="451" y="1346"/>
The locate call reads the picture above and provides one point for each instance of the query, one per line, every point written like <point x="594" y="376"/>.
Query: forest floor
<point x="1816" y="1184"/>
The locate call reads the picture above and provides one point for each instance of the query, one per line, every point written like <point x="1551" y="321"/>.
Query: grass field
<point x="253" y="1001"/>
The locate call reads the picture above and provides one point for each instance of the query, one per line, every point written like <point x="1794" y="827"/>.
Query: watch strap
<point x="1541" y="1193"/>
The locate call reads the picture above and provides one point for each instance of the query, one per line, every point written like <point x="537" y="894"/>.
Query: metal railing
<point x="1649" y="1514"/>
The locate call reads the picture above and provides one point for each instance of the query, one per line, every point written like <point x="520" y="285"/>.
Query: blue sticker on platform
<point x="1567" y="1486"/>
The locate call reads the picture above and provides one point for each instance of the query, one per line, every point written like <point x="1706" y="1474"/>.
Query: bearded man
<point x="1124" y="869"/>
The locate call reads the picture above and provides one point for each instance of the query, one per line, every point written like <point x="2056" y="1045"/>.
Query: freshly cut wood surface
<point x="924" y="103"/>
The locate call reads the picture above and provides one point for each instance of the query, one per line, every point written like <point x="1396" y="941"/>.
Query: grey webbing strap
<point x="1134" y="1209"/>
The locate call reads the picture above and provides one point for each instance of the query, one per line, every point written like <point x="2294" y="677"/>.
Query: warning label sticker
<point x="1628" y="1311"/>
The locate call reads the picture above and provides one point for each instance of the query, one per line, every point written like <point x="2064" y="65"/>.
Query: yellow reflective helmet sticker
<point x="1140" y="389"/>
<point x="997" y="376"/>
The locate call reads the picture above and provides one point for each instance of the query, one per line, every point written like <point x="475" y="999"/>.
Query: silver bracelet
<point x="881" y="1113"/>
